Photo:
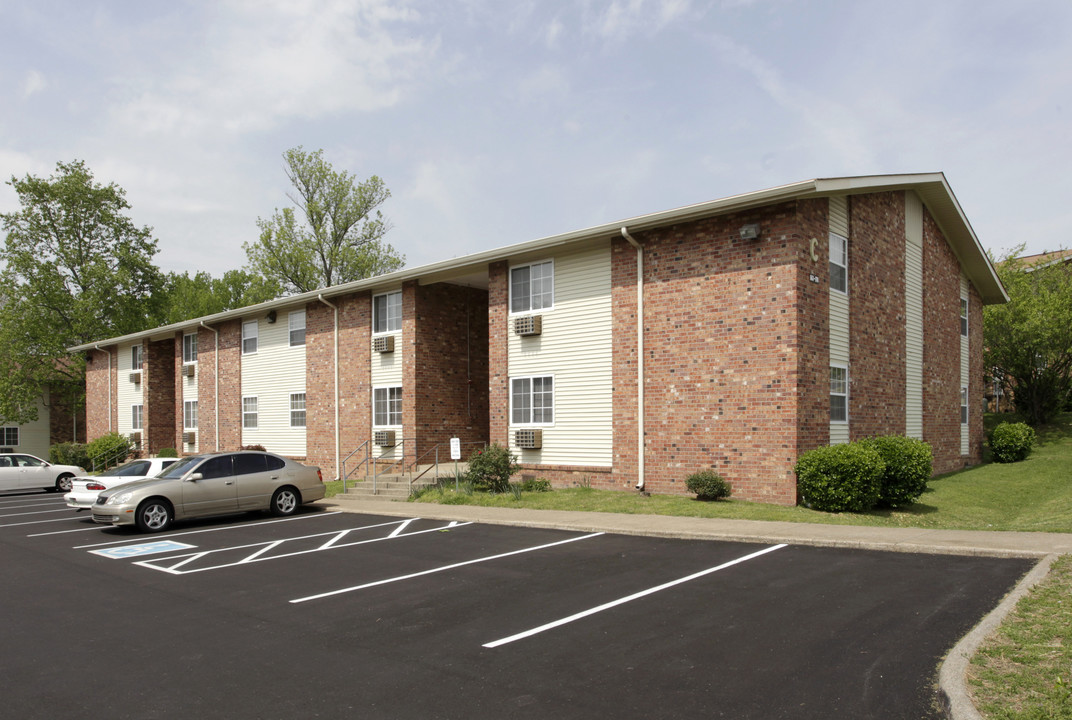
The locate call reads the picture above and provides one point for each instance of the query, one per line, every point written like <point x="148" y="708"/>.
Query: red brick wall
<point x="230" y="387"/>
<point x="450" y="368"/>
<point x="812" y="337"/>
<point x="498" y="369"/>
<point x="624" y="366"/>
<point x="941" y="348"/>
<point x="877" y="352"/>
<point x="98" y="380"/>
<point x="159" y="392"/>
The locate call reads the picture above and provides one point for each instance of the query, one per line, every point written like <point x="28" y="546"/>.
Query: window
<point x="135" y="357"/>
<point x="839" y="394"/>
<point x="532" y="287"/>
<point x="137" y="415"/>
<point x="964" y="406"/>
<point x="9" y="436"/>
<point x="387" y="406"/>
<point x="249" y="412"/>
<point x="839" y="263"/>
<point x="964" y="317"/>
<point x="387" y="312"/>
<point x="217" y="467"/>
<point x="297" y="328"/>
<point x="297" y="409"/>
<point x="189" y="348"/>
<point x="532" y="401"/>
<point x="249" y="337"/>
<point x="249" y="463"/>
<point x="189" y="415"/>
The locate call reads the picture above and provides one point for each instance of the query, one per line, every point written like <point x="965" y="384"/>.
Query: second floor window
<point x="249" y="337"/>
<point x="189" y="348"/>
<point x="135" y="357"/>
<point x="387" y="312"/>
<point x="297" y="328"/>
<point x="532" y="287"/>
<point x="189" y="415"/>
<point x="137" y="413"/>
<point x="839" y="263"/>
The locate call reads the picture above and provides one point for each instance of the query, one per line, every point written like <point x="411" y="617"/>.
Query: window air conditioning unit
<point x="384" y="438"/>
<point x="135" y="437"/>
<point x="528" y="325"/>
<point x="383" y="344"/>
<point x="189" y="370"/>
<point x="529" y="439"/>
<point x="189" y="437"/>
<point x="135" y="377"/>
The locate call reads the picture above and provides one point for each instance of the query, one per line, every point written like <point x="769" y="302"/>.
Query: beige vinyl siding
<point x="386" y="371"/>
<point x="914" y="316"/>
<point x="839" y="317"/>
<point x="271" y="374"/>
<point x="127" y="394"/>
<point x="34" y="436"/>
<point x="574" y="348"/>
<point x="965" y="368"/>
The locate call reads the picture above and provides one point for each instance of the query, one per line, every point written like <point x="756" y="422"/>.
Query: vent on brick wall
<point x="384" y="438"/>
<point x="189" y="437"/>
<point x="528" y="325"/>
<point x="383" y="344"/>
<point x="529" y="439"/>
<point x="189" y="370"/>
<point x="135" y="377"/>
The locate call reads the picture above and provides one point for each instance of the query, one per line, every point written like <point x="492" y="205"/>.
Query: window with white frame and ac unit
<point x="137" y="417"/>
<point x="387" y="406"/>
<point x="135" y="357"/>
<point x="387" y="312"/>
<point x="532" y="287"/>
<point x="189" y="415"/>
<point x="189" y="348"/>
<point x="532" y="400"/>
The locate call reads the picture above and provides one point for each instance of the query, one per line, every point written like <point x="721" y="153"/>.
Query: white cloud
<point x="34" y="83"/>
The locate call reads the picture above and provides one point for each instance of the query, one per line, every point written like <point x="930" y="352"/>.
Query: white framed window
<point x="964" y="405"/>
<point x="387" y="312"/>
<point x="532" y="400"/>
<point x="249" y="412"/>
<point x="964" y="317"/>
<point x="9" y="436"/>
<point x="189" y="348"/>
<point x="135" y="357"/>
<point x="532" y="287"/>
<point x="189" y="415"/>
<point x="297" y="328"/>
<point x="137" y="416"/>
<point x="387" y="406"/>
<point x="839" y="263"/>
<point x="297" y="410"/>
<point x="839" y="393"/>
<point x="249" y="337"/>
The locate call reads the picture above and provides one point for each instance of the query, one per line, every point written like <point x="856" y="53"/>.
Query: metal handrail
<point x="346" y="475"/>
<point x="435" y="449"/>
<point x="394" y="461"/>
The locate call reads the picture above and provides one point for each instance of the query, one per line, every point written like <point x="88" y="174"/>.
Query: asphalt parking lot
<point x="340" y="614"/>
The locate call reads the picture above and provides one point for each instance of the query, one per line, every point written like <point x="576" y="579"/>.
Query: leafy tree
<point x="76" y="268"/>
<point x="338" y="237"/>
<point x="201" y="294"/>
<point x="1028" y="341"/>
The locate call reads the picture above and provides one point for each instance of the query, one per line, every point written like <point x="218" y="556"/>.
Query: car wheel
<point x="285" y="501"/>
<point x="154" y="515"/>
<point x="63" y="483"/>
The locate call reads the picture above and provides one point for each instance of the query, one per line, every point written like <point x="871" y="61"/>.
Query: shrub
<point x="108" y="450"/>
<point x="68" y="454"/>
<point x="1012" y="442"/>
<point x="253" y="447"/>
<point x="909" y="465"/>
<point x="840" y="477"/>
<point x="490" y="468"/>
<point x="167" y="452"/>
<point x="535" y="485"/>
<point x="708" y="485"/>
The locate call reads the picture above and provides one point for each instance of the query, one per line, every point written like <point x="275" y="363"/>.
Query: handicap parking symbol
<point x="129" y="551"/>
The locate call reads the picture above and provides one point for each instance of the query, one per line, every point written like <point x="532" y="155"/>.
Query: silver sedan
<point x="211" y="484"/>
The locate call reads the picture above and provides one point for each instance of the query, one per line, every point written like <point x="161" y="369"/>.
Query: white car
<point x="19" y="471"/>
<point x="84" y="489"/>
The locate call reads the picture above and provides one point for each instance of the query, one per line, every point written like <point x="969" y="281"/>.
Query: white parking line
<point x="310" y="516"/>
<point x="630" y="598"/>
<point x="258" y="556"/>
<point x="21" y="505"/>
<point x="96" y="527"/>
<point x="38" y="522"/>
<point x="39" y="512"/>
<point x="444" y="568"/>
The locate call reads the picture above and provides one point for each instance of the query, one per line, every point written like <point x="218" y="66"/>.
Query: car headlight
<point x="120" y="498"/>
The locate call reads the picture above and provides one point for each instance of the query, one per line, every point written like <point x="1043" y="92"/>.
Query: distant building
<point x="734" y="334"/>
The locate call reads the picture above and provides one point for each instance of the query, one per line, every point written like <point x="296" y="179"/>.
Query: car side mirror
<point x="194" y="477"/>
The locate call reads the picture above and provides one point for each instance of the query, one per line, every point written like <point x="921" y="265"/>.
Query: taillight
<point x="95" y="486"/>
<point x="320" y="475"/>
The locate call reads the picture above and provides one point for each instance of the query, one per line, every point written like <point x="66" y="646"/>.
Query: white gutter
<point x="216" y="376"/>
<point x="338" y="450"/>
<point x="98" y="349"/>
<point x="640" y="356"/>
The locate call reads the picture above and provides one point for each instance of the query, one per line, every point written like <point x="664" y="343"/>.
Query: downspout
<point x="640" y="356"/>
<point x="98" y="349"/>
<point x="216" y="378"/>
<point x="338" y="450"/>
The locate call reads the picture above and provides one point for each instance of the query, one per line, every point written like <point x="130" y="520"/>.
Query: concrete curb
<point x="952" y="678"/>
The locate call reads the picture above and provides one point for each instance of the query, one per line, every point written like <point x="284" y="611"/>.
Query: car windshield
<point x="181" y="467"/>
<point x="138" y="467"/>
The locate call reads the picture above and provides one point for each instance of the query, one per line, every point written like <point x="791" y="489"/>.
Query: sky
<point x="495" y="122"/>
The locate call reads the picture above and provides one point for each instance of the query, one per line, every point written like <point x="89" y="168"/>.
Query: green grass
<point x="1033" y="495"/>
<point x="1024" y="670"/>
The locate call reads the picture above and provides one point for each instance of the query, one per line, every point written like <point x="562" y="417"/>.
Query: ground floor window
<point x="532" y="400"/>
<point x="964" y="406"/>
<point x="249" y="412"/>
<point x="297" y="410"/>
<point x="839" y="394"/>
<point x="189" y="415"/>
<point x="387" y="406"/>
<point x="137" y="416"/>
<point x="9" y="436"/>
